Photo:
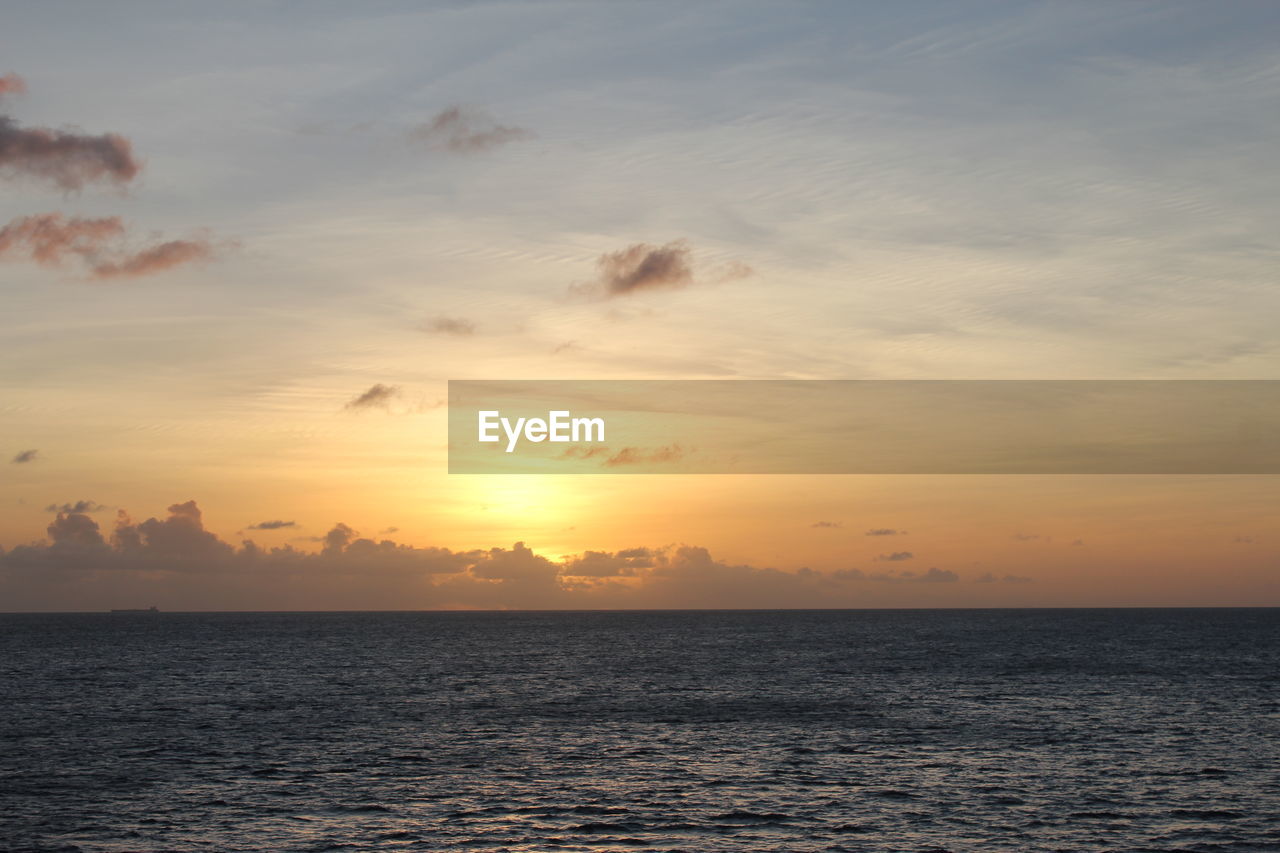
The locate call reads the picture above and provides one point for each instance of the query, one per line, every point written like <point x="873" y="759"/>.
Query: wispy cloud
<point x="51" y="239"/>
<point x="466" y="130"/>
<point x="77" y="507"/>
<point x="456" y="326"/>
<point x="378" y="396"/>
<point x="641" y="456"/>
<point x="272" y="525"/>
<point x="24" y="457"/>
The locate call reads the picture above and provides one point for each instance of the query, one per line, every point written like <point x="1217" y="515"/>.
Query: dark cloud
<point x="174" y="558"/>
<point x="75" y="530"/>
<point x="182" y="534"/>
<point x="272" y="525"/>
<point x="69" y="160"/>
<point x="885" y="531"/>
<point x="896" y="557"/>
<point x="518" y="564"/>
<point x="77" y="507"/>
<point x="377" y="397"/>
<point x="826" y="524"/>
<point x="24" y="456"/>
<point x="933" y="575"/>
<point x="601" y="564"/>
<point x="464" y="130"/>
<point x="456" y="326"/>
<point x="1026" y="537"/>
<point x="643" y="266"/>
<point x="50" y="239"/>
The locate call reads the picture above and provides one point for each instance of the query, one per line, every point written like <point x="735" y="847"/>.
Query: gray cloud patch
<point x="896" y="557"/>
<point x="465" y="130"/>
<point x="456" y="326"/>
<point x="272" y="525"/>
<point x="79" y="507"/>
<point x="379" y="396"/>
<point x="24" y="457"/>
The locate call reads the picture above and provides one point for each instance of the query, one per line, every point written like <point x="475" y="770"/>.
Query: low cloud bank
<point x="175" y="559"/>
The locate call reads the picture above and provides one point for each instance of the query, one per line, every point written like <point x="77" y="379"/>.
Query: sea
<point x="875" y="730"/>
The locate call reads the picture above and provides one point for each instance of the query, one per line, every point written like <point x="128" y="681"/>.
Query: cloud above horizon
<point x="24" y="456"/>
<point x="176" y="550"/>
<point x="466" y="130"/>
<point x="77" y="507"/>
<point x="68" y="160"/>
<point x="272" y="525"/>
<point x="51" y="239"/>
<point x="456" y="326"/>
<point x="378" y="396"/>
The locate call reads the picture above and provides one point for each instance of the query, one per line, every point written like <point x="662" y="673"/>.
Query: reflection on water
<point x="959" y="730"/>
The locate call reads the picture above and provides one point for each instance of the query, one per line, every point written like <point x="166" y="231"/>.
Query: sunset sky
<point x="243" y="247"/>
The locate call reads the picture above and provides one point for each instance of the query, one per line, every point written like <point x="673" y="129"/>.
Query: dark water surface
<point x="723" y="731"/>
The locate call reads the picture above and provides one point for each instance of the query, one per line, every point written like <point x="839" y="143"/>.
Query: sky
<point x="244" y="246"/>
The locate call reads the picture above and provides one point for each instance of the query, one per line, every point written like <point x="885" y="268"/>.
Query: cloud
<point x="379" y="396"/>
<point x="182" y="534"/>
<point x="174" y="558"/>
<point x="50" y="239"/>
<point x="639" y="456"/>
<point x="464" y="130"/>
<point x="643" y="266"/>
<point x="826" y="524"/>
<point x="272" y="525"/>
<point x="79" y="507"/>
<point x="163" y="256"/>
<point x="885" y="531"/>
<point x="456" y="326"/>
<point x="12" y="84"/>
<point x="988" y="577"/>
<point x="579" y="451"/>
<point x="933" y="575"/>
<point x="24" y="457"/>
<point x="1026" y="537"/>
<point x="75" y="530"/>
<point x="896" y="557"/>
<point x="599" y="564"/>
<point x="67" y="159"/>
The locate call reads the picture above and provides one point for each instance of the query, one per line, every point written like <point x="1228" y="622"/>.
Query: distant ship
<point x="151" y="609"/>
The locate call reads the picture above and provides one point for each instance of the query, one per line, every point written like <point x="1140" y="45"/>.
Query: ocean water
<point x="701" y="731"/>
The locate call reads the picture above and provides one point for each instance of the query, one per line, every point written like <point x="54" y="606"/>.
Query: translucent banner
<point x="864" y="427"/>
